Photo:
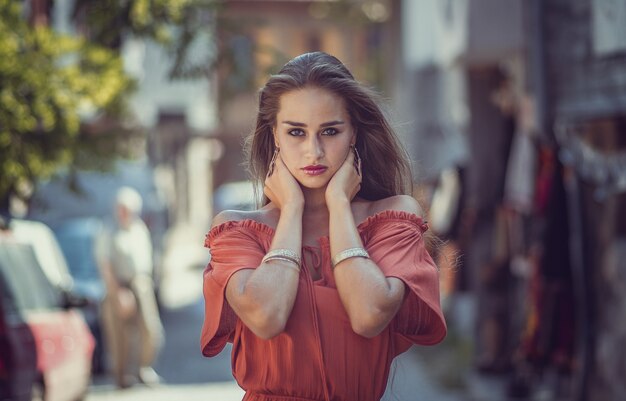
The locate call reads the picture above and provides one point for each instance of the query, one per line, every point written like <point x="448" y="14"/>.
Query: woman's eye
<point x="330" y="131"/>
<point x="295" y="132"/>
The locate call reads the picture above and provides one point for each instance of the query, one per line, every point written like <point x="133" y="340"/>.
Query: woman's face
<point x="313" y="129"/>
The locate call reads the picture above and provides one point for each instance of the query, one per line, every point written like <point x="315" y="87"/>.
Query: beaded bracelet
<point x="349" y="253"/>
<point x="293" y="264"/>
<point x="283" y="254"/>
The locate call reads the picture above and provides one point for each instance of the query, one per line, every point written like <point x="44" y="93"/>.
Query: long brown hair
<point x="385" y="165"/>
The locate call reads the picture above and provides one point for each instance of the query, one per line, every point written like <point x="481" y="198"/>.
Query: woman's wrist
<point x="338" y="204"/>
<point x="291" y="219"/>
<point x="292" y="209"/>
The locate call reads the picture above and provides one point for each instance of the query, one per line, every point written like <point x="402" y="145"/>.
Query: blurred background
<point x="513" y="112"/>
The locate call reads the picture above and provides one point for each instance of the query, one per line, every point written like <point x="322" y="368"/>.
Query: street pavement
<point x="191" y="392"/>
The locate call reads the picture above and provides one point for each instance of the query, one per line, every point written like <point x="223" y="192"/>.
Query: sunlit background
<point x="513" y="113"/>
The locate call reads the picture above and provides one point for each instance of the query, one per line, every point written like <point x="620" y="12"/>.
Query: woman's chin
<point x="312" y="182"/>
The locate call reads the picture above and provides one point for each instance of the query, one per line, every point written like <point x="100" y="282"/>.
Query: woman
<point x="320" y="288"/>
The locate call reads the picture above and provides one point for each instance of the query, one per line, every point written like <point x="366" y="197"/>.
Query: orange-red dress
<point x="318" y="357"/>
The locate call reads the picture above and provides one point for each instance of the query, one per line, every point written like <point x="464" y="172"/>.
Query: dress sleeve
<point x="396" y="245"/>
<point x="232" y="248"/>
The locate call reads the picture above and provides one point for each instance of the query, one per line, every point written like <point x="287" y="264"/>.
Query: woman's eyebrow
<point x="331" y="123"/>
<point x="323" y="125"/>
<point x="295" y="124"/>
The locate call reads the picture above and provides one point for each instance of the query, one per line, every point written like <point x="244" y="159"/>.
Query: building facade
<point x="538" y="106"/>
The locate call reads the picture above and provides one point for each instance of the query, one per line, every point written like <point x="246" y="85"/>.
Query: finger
<point x="356" y="191"/>
<point x="269" y="180"/>
<point x="280" y="161"/>
<point x="269" y="193"/>
<point x="350" y="156"/>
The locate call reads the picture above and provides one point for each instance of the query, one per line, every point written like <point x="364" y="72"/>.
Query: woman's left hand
<point x="346" y="182"/>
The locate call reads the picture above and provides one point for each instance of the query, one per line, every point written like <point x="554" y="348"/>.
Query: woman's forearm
<point x="370" y="299"/>
<point x="268" y="294"/>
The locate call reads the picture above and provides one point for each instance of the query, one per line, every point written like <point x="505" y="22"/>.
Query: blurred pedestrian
<point x="130" y="314"/>
<point x="321" y="287"/>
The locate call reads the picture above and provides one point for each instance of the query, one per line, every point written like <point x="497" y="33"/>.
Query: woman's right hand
<point x="281" y="187"/>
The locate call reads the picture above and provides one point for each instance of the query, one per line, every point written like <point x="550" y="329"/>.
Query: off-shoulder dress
<point x="318" y="357"/>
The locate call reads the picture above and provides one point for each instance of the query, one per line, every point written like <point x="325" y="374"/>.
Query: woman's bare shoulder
<point x="403" y="203"/>
<point x="263" y="215"/>
<point x="225" y="216"/>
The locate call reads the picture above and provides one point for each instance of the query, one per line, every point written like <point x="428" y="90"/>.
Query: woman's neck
<point x="315" y="214"/>
<point x="314" y="202"/>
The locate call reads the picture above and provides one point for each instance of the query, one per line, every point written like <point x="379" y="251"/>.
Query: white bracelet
<point x="349" y="253"/>
<point x="283" y="254"/>
<point x="292" y="265"/>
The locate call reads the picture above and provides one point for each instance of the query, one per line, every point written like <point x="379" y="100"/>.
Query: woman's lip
<point x="315" y="170"/>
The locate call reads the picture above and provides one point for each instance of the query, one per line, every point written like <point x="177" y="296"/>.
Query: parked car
<point x="47" y="250"/>
<point x="80" y="275"/>
<point x="45" y="345"/>
<point x="78" y="239"/>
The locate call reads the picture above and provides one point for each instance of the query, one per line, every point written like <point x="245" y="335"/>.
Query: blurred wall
<point x="180" y="117"/>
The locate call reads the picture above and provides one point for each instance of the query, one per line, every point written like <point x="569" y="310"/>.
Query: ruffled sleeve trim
<point x="385" y="216"/>
<point x="233" y="224"/>
<point x="393" y="216"/>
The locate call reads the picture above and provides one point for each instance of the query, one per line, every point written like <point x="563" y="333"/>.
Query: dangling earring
<point x="273" y="161"/>
<point x="357" y="159"/>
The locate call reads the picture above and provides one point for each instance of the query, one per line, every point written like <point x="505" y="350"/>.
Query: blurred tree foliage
<point x="175" y="24"/>
<point x="47" y="82"/>
<point x="62" y="98"/>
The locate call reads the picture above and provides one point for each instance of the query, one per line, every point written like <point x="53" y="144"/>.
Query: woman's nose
<point x="315" y="148"/>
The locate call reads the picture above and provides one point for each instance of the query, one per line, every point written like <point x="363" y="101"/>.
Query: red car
<point x="45" y="344"/>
